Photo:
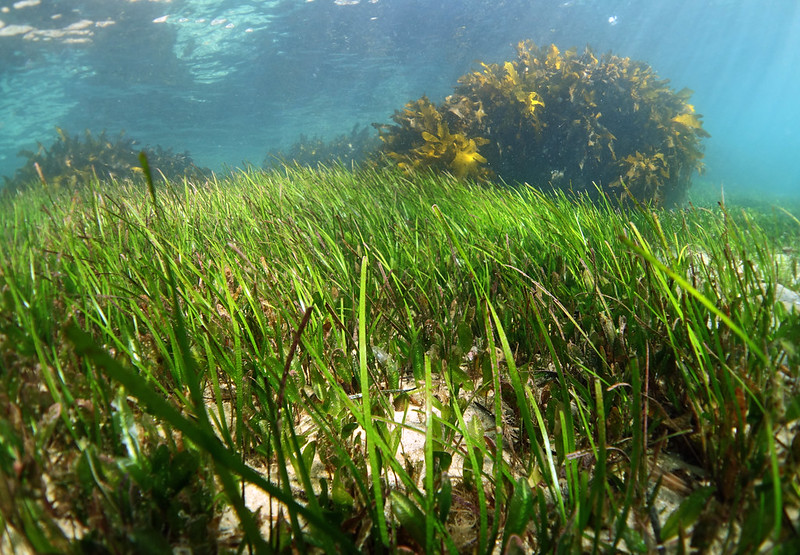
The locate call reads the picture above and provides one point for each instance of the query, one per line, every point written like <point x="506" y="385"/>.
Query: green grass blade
<point x="430" y="495"/>
<point x="372" y="434"/>
<point x="228" y="463"/>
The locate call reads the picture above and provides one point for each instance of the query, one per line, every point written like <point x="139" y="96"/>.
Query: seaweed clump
<point x="561" y="119"/>
<point x="72" y="161"/>
<point x="439" y="139"/>
<point x="348" y="150"/>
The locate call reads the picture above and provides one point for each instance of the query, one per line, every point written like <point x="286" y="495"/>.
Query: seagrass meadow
<point x="337" y="360"/>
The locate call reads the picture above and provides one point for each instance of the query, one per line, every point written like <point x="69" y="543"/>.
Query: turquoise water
<point x="230" y="81"/>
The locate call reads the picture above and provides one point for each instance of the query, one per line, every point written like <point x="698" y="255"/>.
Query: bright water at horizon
<point x="230" y="81"/>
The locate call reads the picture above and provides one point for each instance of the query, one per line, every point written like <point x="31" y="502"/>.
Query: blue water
<point x="230" y="81"/>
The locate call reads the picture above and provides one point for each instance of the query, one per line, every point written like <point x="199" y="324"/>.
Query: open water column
<point x="229" y="81"/>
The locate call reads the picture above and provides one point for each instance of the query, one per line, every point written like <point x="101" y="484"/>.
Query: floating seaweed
<point x="558" y="119"/>
<point x="72" y="161"/>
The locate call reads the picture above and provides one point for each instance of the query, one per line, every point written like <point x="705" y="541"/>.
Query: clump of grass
<point x="170" y="353"/>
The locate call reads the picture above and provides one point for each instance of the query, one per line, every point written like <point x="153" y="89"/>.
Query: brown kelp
<point x="427" y="137"/>
<point x="560" y="118"/>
